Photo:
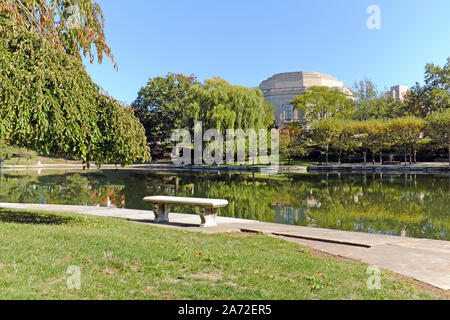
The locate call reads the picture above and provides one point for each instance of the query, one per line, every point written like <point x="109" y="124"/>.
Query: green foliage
<point x="123" y="138"/>
<point x="438" y="128"/>
<point x="161" y="105"/>
<point x="366" y="95"/>
<point x="345" y="140"/>
<point x="6" y="151"/>
<point x="176" y="101"/>
<point x="375" y="135"/>
<point x="325" y="132"/>
<point x="222" y="106"/>
<point x="293" y="142"/>
<point x="421" y="101"/>
<point x="370" y="104"/>
<point x="46" y="97"/>
<point x="318" y="103"/>
<point x="294" y="146"/>
<point x="48" y="103"/>
<point x="294" y="128"/>
<point x="73" y="26"/>
<point x="370" y="134"/>
<point x="269" y="116"/>
<point x="370" y="129"/>
<point x="386" y="107"/>
<point x="315" y="282"/>
<point x="406" y="132"/>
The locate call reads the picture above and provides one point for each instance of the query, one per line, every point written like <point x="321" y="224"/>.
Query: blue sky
<point x="247" y="41"/>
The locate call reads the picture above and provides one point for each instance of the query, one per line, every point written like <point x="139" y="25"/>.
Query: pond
<point x="411" y="205"/>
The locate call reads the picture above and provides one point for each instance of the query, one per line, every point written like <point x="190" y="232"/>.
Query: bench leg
<point x="162" y="214"/>
<point x="208" y="217"/>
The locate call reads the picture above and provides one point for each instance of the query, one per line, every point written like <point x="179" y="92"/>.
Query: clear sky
<point x="247" y="41"/>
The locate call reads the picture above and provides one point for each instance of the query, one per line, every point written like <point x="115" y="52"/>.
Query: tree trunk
<point x="381" y="158"/>
<point x="326" y="154"/>
<point x="365" y="156"/>
<point x="449" y="156"/>
<point x="373" y="158"/>
<point x="415" y="156"/>
<point x="340" y="153"/>
<point x="406" y="156"/>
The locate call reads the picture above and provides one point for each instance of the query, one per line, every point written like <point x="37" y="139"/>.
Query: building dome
<point x="280" y="89"/>
<point x="298" y="80"/>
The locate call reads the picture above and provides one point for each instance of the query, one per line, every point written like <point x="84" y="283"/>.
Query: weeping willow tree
<point x="221" y="105"/>
<point x="48" y="102"/>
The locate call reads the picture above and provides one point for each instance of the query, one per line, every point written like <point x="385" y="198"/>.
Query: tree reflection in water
<point x="403" y="204"/>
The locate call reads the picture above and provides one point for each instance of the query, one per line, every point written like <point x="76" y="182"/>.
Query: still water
<point x="396" y="204"/>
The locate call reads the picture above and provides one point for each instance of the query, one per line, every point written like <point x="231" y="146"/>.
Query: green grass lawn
<point x="34" y="161"/>
<point x="23" y="157"/>
<point x="284" y="162"/>
<point x="126" y="260"/>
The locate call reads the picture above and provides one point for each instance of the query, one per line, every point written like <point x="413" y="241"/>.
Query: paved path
<point x="422" y="259"/>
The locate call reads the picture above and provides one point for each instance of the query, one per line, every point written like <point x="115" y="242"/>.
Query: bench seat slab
<point x="199" y="202"/>
<point x="209" y="208"/>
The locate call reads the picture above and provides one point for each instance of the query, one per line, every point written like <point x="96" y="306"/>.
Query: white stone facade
<point x="280" y="89"/>
<point x="399" y="92"/>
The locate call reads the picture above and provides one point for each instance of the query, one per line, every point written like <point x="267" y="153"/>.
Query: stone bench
<point x="208" y="214"/>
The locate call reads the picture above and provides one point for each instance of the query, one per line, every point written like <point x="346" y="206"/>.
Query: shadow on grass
<point x="173" y="224"/>
<point x="24" y="217"/>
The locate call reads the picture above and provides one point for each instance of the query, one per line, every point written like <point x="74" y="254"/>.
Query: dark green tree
<point x="122" y="137"/>
<point x="325" y="132"/>
<point x="298" y="147"/>
<point x="371" y="104"/>
<point x="438" y="128"/>
<point x="161" y="106"/>
<point x="366" y="95"/>
<point x="421" y="101"/>
<point x="319" y="103"/>
<point x="406" y="132"/>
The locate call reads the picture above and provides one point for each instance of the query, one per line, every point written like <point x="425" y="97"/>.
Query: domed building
<point x="280" y="89"/>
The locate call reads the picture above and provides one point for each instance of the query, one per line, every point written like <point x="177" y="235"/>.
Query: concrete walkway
<point x="422" y="259"/>
<point x="420" y="167"/>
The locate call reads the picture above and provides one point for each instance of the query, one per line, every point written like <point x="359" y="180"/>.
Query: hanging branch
<point x="39" y="16"/>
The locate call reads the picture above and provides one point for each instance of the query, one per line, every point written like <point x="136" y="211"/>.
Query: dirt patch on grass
<point x="150" y="289"/>
<point x="213" y="276"/>
<point x="237" y="234"/>
<point x="235" y="285"/>
<point x="445" y="294"/>
<point x="325" y="255"/>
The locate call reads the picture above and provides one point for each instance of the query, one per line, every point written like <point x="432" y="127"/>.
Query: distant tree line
<point x="373" y="122"/>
